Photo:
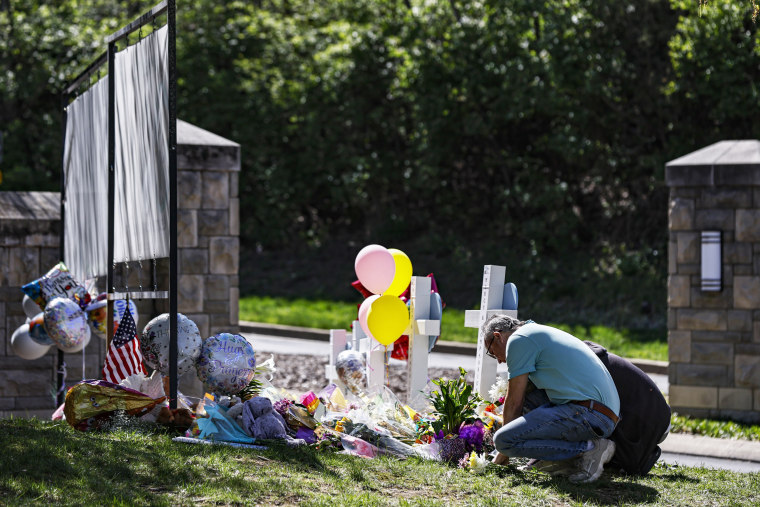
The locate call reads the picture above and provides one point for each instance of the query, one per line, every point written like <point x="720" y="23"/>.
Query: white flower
<point x="478" y="463"/>
<point x="266" y="368"/>
<point x="499" y="389"/>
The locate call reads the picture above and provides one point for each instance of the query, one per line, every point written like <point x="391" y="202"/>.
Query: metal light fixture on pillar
<point x="711" y="262"/>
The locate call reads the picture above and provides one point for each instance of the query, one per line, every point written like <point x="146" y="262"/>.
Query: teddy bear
<point x="261" y="421"/>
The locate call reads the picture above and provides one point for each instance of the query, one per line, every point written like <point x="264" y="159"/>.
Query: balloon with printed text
<point x="226" y="363"/>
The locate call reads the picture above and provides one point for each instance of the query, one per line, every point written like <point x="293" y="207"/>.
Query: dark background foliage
<point x="526" y="133"/>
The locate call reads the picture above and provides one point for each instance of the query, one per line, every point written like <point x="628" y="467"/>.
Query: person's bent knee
<point x="504" y="440"/>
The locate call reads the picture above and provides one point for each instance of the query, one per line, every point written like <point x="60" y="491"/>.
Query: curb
<point x="443" y="347"/>
<point x="304" y="333"/>
<point x="723" y="448"/>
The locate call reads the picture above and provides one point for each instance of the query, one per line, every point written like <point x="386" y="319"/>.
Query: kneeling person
<point x="583" y="406"/>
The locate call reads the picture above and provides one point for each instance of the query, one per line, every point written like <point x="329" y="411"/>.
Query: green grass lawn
<point x="714" y="428"/>
<point x="320" y="314"/>
<point x="50" y="463"/>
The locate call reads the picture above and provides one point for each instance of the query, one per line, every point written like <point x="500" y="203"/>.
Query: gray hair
<point x="500" y="323"/>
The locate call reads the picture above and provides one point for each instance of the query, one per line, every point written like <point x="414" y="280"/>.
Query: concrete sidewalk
<point x="677" y="449"/>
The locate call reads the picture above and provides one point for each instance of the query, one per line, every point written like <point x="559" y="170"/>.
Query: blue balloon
<point x="510" y="297"/>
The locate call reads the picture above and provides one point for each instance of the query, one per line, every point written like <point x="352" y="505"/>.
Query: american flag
<point x="124" y="357"/>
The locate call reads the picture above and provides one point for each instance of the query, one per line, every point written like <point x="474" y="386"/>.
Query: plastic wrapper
<point x="215" y="424"/>
<point x="299" y="416"/>
<point x="275" y="394"/>
<point x="152" y="386"/>
<point x="92" y="402"/>
<point x="357" y="423"/>
<point x="332" y="398"/>
<point x="369" y="443"/>
<point x="384" y="408"/>
<point x="310" y="401"/>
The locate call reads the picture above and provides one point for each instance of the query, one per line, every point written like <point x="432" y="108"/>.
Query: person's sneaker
<point x="553" y="468"/>
<point x="591" y="463"/>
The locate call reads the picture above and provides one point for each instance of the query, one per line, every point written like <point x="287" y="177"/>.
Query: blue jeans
<point x="552" y="432"/>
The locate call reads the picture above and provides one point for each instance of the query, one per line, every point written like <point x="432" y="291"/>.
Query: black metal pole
<point x="111" y="187"/>
<point x="60" y="392"/>
<point x="173" y="281"/>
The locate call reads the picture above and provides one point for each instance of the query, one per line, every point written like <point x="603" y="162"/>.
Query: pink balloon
<point x="375" y="268"/>
<point x="364" y="311"/>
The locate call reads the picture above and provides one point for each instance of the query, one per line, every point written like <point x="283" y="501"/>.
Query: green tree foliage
<point x="42" y="46"/>
<point x="370" y="115"/>
<point x="716" y="71"/>
<point x="446" y="128"/>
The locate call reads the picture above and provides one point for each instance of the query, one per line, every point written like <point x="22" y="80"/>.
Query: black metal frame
<point x="169" y="8"/>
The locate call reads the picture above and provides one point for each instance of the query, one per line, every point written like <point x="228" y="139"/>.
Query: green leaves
<point x="454" y="403"/>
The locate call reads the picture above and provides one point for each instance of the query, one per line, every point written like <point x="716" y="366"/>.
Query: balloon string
<point x="387" y="368"/>
<point x="62" y="371"/>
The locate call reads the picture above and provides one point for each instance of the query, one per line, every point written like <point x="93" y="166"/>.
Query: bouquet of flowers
<point x="456" y="427"/>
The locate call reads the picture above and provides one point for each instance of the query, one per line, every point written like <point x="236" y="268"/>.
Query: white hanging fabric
<point x="141" y="219"/>
<point x="85" y="168"/>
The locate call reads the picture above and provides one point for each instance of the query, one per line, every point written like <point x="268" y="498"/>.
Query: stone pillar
<point x="714" y="336"/>
<point x="209" y="231"/>
<point x="208" y="242"/>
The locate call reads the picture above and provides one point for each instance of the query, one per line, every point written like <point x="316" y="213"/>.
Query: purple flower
<point x="281" y="406"/>
<point x="439" y="435"/>
<point x="473" y="434"/>
<point x="465" y="461"/>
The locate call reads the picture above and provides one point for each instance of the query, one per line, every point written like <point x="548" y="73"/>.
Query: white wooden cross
<point x="337" y="345"/>
<point x="374" y="354"/>
<point x="421" y="328"/>
<point x="491" y="303"/>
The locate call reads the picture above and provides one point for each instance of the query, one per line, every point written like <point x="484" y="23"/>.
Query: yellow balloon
<point x="387" y="319"/>
<point x="403" y="275"/>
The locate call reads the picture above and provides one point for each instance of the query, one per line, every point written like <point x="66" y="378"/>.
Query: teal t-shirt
<point x="561" y="364"/>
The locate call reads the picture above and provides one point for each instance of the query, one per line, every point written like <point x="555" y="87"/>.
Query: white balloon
<point x="154" y="344"/>
<point x="23" y="345"/>
<point x="30" y="307"/>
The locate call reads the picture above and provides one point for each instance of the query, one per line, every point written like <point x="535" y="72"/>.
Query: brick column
<point x="714" y="336"/>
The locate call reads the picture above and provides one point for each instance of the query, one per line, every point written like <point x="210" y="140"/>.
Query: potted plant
<point x="456" y="426"/>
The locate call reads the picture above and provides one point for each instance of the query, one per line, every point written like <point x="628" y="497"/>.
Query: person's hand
<point x="501" y="459"/>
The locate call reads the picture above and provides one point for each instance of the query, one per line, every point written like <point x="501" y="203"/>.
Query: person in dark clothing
<point x="644" y="415"/>
<point x="644" y="419"/>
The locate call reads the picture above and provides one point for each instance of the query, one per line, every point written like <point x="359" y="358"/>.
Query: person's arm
<point x="513" y="406"/>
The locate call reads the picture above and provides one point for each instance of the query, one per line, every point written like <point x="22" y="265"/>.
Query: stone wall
<point x="29" y="235"/>
<point x="714" y="337"/>
<point x="208" y="253"/>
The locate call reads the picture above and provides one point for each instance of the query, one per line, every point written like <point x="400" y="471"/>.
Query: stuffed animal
<point x="180" y="418"/>
<point x="261" y="421"/>
<point x="235" y="412"/>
